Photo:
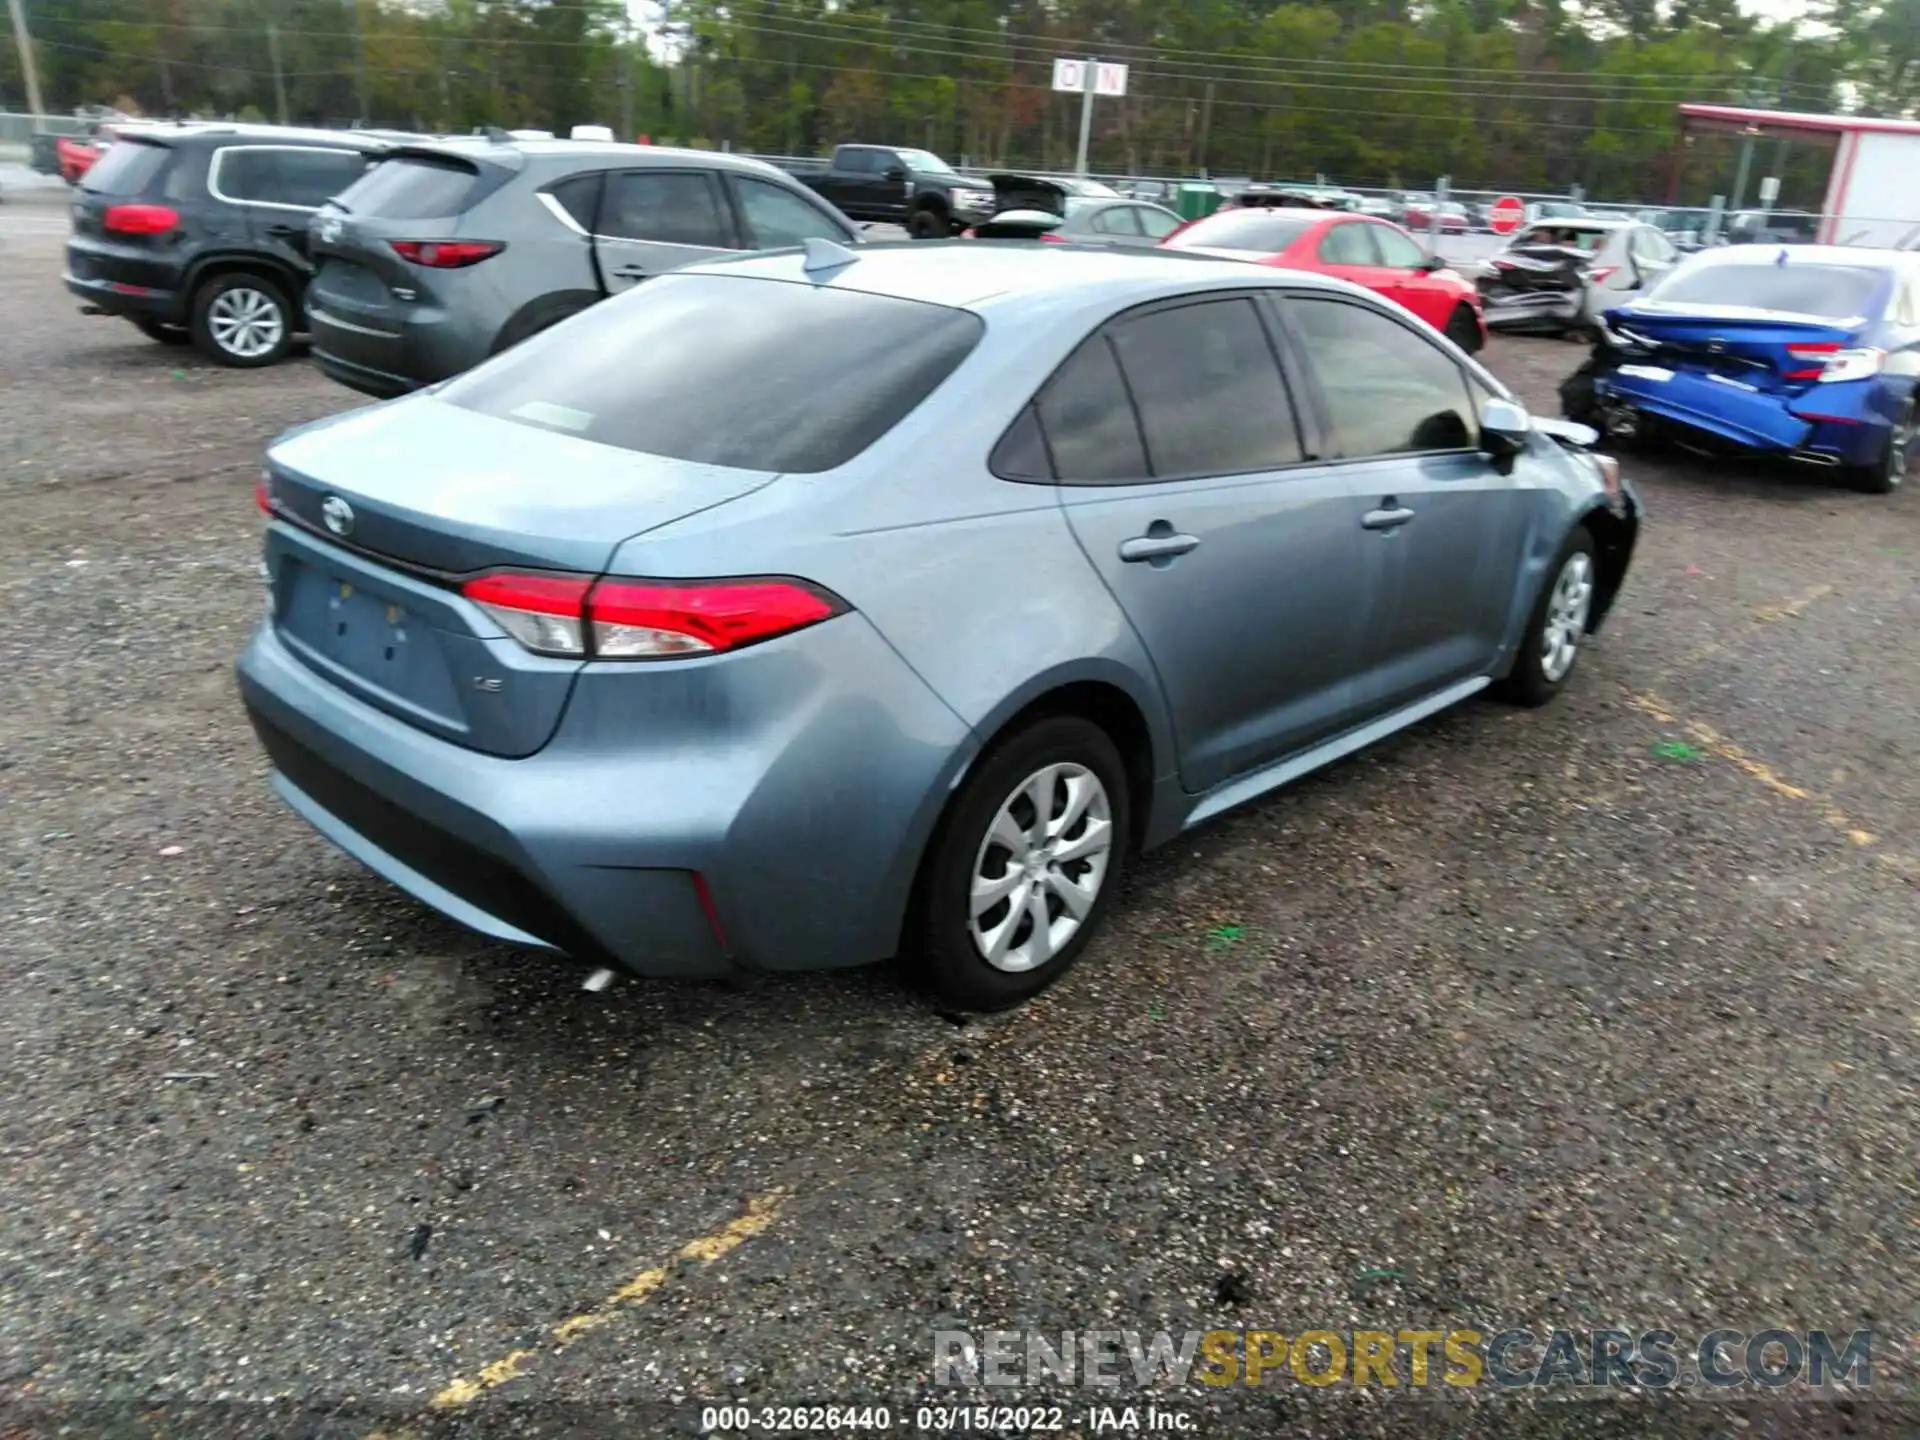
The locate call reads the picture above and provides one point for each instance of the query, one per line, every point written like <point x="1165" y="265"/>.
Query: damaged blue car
<point x="1807" y="352"/>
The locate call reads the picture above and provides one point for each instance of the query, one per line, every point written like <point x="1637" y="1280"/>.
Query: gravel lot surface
<point x="1521" y="1019"/>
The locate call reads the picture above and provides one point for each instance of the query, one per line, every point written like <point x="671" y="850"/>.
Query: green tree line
<point x="1536" y="95"/>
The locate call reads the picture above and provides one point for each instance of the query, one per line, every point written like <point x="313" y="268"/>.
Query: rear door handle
<point x="1386" y="519"/>
<point x="631" y="272"/>
<point x="1163" y="546"/>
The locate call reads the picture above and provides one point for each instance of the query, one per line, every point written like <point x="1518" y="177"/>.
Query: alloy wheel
<point x="246" y="323"/>
<point x="1567" y="611"/>
<point x="1039" y="870"/>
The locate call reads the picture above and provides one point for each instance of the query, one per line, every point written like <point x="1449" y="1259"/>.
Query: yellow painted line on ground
<point x="1718" y="745"/>
<point x="1787" y="609"/>
<point x="760" y="1213"/>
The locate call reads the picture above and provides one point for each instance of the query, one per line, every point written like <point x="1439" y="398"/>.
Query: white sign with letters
<point x="1070" y="75"/>
<point x="1109" y="79"/>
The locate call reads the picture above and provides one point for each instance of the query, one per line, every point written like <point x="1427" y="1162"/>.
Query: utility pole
<point x="360" y="65"/>
<point x="279" y="79"/>
<point x="628" y="80"/>
<point x="23" y="39"/>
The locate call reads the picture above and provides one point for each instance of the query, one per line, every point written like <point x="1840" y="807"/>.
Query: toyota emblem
<point x="338" y="515"/>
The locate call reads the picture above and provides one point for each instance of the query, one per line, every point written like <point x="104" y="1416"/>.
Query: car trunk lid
<point x="1557" y="268"/>
<point x="392" y="506"/>
<point x="1762" y="349"/>
<point x="411" y="195"/>
<point x="1027" y="192"/>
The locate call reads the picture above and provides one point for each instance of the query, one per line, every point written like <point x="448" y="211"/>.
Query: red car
<point x="1369" y="252"/>
<point x="1453" y="218"/>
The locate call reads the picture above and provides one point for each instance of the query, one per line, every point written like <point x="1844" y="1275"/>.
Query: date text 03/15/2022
<point x="945" y="1419"/>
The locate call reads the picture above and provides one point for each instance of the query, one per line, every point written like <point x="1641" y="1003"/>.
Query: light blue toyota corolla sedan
<point x="823" y="605"/>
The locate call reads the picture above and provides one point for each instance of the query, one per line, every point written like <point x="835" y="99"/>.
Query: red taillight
<point x="638" y="619"/>
<point x="140" y="219"/>
<point x="1053" y="239"/>
<point x="446" y="254"/>
<point x="646" y="619"/>
<point x="263" y="495"/>
<point x="1600" y="274"/>
<point x="545" y="613"/>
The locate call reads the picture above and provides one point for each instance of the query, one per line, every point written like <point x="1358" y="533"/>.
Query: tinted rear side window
<point x="726" y="370"/>
<point x="128" y="168"/>
<point x="1207" y="389"/>
<point x="1243" y="230"/>
<point x="413" y="187"/>
<point x="280" y="176"/>
<point x="1833" y="292"/>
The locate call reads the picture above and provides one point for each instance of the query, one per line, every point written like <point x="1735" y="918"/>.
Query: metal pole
<point x="23" y="39"/>
<point x="279" y="80"/>
<point x="1206" y="125"/>
<point x="1740" y="176"/>
<point x="1440" y="189"/>
<point x="1714" y="212"/>
<point x="1086" y="116"/>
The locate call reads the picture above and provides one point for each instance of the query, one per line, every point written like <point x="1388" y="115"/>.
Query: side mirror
<point x="1431" y="264"/>
<point x="894" y="172"/>
<point x="1504" y="426"/>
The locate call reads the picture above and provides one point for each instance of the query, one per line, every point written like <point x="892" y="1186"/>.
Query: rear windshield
<point x="129" y="167"/>
<point x="727" y="370"/>
<point x="1833" y="292"/>
<point x="412" y="187"/>
<point x="1245" y="230"/>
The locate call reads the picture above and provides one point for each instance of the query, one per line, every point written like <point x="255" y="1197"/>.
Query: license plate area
<point x="368" y="640"/>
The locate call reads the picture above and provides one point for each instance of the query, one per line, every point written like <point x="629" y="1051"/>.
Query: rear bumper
<point x="384" y="357"/>
<point x="128" y="300"/>
<point x="1840" y="422"/>
<point x="1522" y="309"/>
<point x="788" y="840"/>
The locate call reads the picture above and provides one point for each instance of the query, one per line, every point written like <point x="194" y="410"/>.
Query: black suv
<point x="198" y="233"/>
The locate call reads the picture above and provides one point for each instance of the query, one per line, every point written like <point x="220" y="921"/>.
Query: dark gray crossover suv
<point x="197" y="233"/>
<point x="446" y="253"/>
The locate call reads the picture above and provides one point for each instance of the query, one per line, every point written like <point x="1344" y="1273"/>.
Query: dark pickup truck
<point x="879" y="183"/>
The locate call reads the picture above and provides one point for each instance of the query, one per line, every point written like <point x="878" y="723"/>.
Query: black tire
<point x="1884" y="475"/>
<point x="1531" y="682"/>
<point x="224" y="297"/>
<point x="941" y="946"/>
<point x="928" y="224"/>
<point x="165" y="334"/>
<point x="1463" y="330"/>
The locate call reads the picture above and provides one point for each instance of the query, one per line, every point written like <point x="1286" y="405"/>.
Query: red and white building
<point x="1873" y="190"/>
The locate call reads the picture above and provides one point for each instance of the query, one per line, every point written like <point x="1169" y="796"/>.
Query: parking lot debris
<point x="483" y="1107"/>
<point x="1223" y="936"/>
<point x="422" y="1236"/>
<point x="1234" y="1287"/>
<point x="598" y="980"/>
<point x="1677" y="751"/>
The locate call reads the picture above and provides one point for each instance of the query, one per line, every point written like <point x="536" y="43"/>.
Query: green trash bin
<point x="1196" y="198"/>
